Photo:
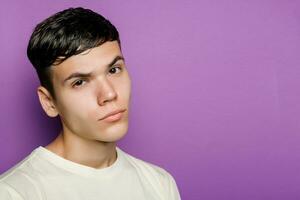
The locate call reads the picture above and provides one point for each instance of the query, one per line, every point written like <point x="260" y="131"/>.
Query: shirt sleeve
<point x="8" y="193"/>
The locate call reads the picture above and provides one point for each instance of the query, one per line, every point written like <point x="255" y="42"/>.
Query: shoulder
<point x="155" y="175"/>
<point x="8" y="193"/>
<point x="146" y="167"/>
<point x="18" y="171"/>
<point x="19" y="180"/>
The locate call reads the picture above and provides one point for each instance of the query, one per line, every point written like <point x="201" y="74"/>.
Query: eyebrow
<point x="86" y="75"/>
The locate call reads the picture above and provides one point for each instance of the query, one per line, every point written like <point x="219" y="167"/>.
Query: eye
<point x="115" y="70"/>
<point x="78" y="83"/>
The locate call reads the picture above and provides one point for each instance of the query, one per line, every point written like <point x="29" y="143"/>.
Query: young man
<point x="84" y="81"/>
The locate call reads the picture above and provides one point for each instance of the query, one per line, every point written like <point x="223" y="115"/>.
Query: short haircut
<point x="64" y="34"/>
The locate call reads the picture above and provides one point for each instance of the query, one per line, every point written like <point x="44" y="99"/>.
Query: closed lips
<point x="112" y="113"/>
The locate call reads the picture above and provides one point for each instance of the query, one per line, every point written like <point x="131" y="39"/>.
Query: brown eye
<point x="115" y="70"/>
<point x="78" y="83"/>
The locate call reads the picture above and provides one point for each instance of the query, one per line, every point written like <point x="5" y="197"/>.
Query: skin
<point x="81" y="101"/>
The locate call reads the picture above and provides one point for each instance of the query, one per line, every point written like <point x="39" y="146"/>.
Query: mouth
<point x="113" y="116"/>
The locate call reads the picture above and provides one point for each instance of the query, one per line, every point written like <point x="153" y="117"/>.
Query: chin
<point x="114" y="133"/>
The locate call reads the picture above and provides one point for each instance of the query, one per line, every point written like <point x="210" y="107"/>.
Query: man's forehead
<point x="99" y="57"/>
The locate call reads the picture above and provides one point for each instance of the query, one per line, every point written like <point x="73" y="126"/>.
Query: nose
<point x="106" y="92"/>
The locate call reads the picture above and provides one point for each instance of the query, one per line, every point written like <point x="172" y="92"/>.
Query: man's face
<point x="83" y="100"/>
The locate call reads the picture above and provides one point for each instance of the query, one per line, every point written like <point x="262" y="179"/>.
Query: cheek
<point x="125" y="88"/>
<point x="73" y="105"/>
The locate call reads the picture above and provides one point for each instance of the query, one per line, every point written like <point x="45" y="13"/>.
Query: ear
<point x="47" y="102"/>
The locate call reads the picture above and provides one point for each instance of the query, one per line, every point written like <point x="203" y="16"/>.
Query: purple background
<point x="215" y="91"/>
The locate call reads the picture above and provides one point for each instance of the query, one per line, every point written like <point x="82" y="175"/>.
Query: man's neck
<point x="91" y="153"/>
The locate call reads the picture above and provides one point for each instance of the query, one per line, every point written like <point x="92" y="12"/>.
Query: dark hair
<point x="64" y="34"/>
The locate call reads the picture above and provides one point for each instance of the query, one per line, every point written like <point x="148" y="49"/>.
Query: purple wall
<point x="216" y="98"/>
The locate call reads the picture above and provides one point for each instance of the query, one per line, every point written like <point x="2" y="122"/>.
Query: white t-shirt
<point x="44" y="175"/>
